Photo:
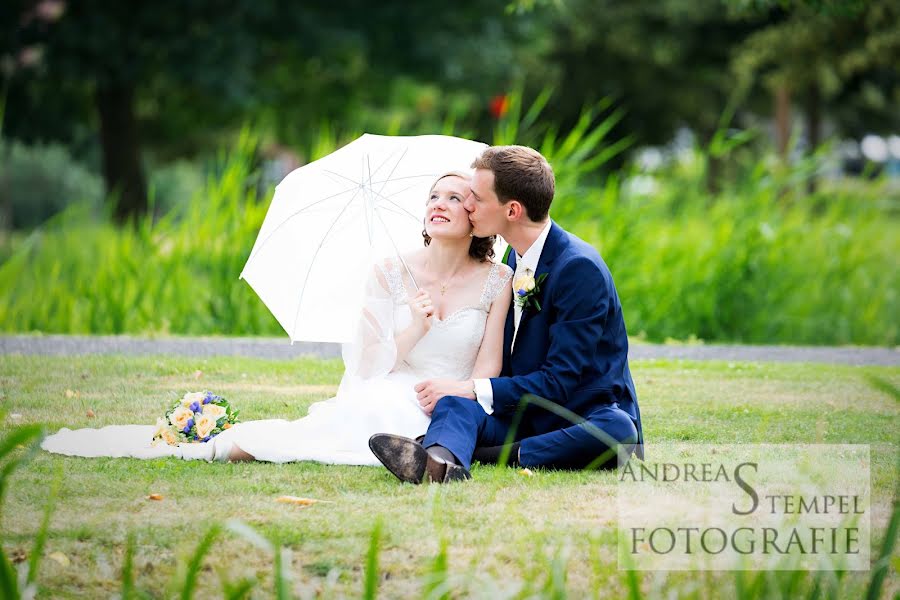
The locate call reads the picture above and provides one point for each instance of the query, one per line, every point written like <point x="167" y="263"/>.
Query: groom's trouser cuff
<point x="455" y="425"/>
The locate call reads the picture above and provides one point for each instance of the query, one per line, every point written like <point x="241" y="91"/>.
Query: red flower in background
<point x="499" y="105"/>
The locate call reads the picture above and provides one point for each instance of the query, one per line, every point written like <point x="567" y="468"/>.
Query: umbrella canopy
<point x="330" y="220"/>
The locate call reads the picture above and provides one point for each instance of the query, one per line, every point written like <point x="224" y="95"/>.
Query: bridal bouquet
<point x="197" y="417"/>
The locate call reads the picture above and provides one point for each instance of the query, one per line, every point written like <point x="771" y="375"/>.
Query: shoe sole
<point x="409" y="462"/>
<point x="402" y="456"/>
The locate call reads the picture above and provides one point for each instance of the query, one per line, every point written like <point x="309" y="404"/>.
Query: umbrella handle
<point x="403" y="262"/>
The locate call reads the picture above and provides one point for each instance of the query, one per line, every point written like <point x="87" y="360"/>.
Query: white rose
<point x="524" y="282"/>
<point x="180" y="417"/>
<point x="214" y="410"/>
<point x="192" y="397"/>
<point x="205" y="425"/>
<point x="161" y="426"/>
<point x="169" y="436"/>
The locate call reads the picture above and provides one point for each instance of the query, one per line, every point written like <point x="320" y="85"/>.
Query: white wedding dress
<point x="375" y="395"/>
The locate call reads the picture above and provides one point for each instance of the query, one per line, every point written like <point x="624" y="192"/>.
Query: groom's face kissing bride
<point x="494" y="207"/>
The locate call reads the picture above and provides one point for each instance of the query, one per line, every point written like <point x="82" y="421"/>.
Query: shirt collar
<point x="531" y="257"/>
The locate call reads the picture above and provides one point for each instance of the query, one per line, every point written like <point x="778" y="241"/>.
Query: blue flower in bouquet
<point x="196" y="406"/>
<point x="208" y="398"/>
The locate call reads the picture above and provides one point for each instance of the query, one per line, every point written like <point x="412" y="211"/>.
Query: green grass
<point x="500" y="535"/>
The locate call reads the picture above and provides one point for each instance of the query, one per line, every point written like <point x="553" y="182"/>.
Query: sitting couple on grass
<point x="525" y="359"/>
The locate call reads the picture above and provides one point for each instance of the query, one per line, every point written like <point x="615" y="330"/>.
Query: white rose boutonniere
<point x="526" y="289"/>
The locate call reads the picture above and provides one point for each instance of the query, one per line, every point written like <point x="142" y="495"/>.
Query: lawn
<point x="505" y="534"/>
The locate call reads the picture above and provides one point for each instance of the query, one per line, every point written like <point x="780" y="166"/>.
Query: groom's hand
<point x="431" y="390"/>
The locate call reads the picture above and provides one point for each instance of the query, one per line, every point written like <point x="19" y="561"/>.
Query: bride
<point x="451" y="327"/>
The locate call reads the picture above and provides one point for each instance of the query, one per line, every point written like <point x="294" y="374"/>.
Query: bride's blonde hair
<point x="481" y="248"/>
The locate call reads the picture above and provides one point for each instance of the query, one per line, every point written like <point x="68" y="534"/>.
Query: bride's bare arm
<point x="490" y="356"/>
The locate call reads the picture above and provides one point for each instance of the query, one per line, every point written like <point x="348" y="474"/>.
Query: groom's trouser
<point x="459" y="424"/>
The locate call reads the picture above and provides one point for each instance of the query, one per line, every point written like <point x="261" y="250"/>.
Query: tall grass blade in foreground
<point x="881" y="566"/>
<point x="25" y="441"/>
<point x="37" y="550"/>
<point x="370" y="591"/>
<point x="282" y="574"/>
<point x="437" y="586"/>
<point x="128" y="590"/>
<point x="196" y="562"/>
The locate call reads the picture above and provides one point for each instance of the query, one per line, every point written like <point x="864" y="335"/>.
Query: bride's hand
<point x="422" y="310"/>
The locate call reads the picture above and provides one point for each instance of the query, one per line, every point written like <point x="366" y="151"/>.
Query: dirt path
<point x="279" y="348"/>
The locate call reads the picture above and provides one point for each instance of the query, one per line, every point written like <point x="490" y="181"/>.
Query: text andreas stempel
<point x="801" y="539"/>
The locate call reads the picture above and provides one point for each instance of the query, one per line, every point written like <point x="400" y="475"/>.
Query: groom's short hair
<point x="520" y="173"/>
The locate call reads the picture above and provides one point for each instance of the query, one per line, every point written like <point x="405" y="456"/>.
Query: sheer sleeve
<point x="498" y="279"/>
<point x="372" y="353"/>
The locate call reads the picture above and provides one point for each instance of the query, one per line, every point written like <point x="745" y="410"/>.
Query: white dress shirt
<point x="484" y="392"/>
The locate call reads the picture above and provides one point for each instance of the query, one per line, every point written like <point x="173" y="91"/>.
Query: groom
<point x="565" y="397"/>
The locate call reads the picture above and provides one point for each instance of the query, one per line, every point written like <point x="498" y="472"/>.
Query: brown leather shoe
<point x="410" y="462"/>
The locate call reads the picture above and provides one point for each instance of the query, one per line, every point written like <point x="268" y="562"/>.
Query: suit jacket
<point x="574" y="351"/>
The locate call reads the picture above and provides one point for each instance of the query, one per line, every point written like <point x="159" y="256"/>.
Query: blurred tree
<point x="666" y="62"/>
<point x="192" y="69"/>
<point x="840" y="58"/>
<point x="672" y="63"/>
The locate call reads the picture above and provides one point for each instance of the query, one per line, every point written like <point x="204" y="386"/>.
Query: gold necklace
<point x="446" y="283"/>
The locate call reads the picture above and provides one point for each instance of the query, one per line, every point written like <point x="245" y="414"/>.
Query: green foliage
<point x="845" y="53"/>
<point x="36" y="182"/>
<point x="758" y="260"/>
<point x="172" y="184"/>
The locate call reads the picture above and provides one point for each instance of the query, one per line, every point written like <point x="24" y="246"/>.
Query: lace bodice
<point x="450" y="347"/>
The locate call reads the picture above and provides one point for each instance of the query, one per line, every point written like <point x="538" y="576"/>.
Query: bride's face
<point x="445" y="215"/>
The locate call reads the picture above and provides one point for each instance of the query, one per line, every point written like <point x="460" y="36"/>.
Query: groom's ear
<point x="514" y="210"/>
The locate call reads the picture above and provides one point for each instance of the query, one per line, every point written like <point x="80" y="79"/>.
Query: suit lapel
<point x="552" y="247"/>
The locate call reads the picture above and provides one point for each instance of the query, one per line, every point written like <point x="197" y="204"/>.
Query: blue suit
<point x="573" y="352"/>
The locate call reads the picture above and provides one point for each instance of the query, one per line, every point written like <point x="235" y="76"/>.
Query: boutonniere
<point x="526" y="289"/>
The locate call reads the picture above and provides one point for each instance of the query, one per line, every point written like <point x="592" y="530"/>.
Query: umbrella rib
<point x="387" y="199"/>
<point x="378" y="193"/>
<point x="399" y="160"/>
<point x="372" y="202"/>
<point x="313" y="259"/>
<point x="350" y="179"/>
<point x="397" y="251"/>
<point x="407" y="177"/>
<point x="384" y="162"/>
<point x="392" y="210"/>
<point x="283" y="223"/>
